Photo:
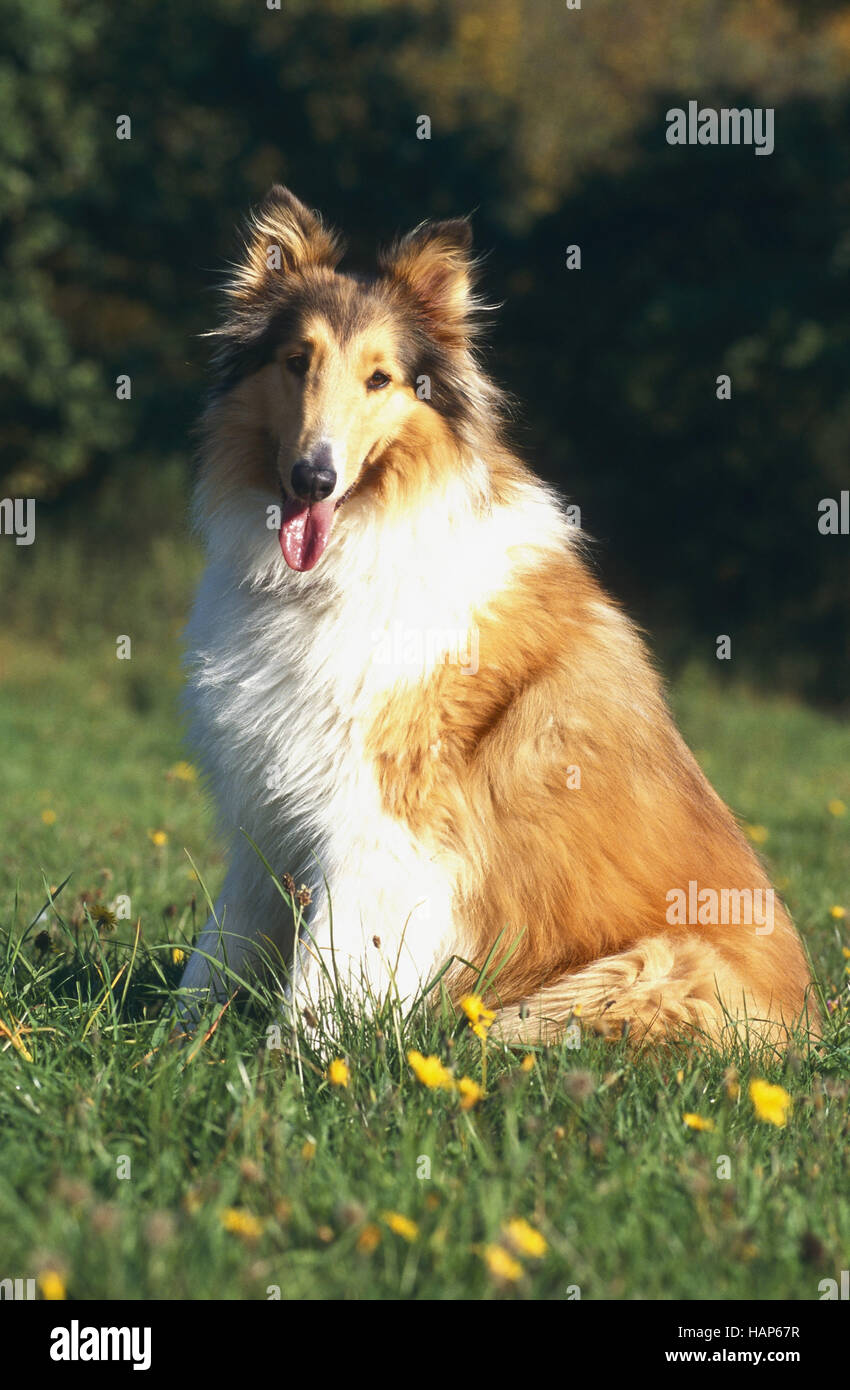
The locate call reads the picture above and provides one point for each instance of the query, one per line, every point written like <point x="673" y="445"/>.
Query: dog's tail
<point x="663" y="986"/>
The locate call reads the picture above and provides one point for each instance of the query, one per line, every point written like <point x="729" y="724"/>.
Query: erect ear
<point x="283" y="237"/>
<point x="433" y="263"/>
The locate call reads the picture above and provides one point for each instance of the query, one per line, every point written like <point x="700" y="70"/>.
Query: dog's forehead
<point x="344" y="308"/>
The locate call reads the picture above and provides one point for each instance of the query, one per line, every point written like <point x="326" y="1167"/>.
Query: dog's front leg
<point x="390" y="944"/>
<point x="250" y="932"/>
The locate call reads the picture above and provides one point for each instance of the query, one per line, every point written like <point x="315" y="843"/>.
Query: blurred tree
<point x="550" y="123"/>
<point x="56" y="421"/>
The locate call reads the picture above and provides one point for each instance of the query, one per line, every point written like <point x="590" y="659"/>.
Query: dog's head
<point x="337" y="369"/>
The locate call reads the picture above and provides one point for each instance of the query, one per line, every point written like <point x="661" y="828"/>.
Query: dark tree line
<point x="695" y="262"/>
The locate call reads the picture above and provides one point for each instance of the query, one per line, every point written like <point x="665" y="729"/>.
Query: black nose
<point x="314" y="479"/>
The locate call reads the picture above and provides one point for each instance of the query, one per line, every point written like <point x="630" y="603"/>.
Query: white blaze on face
<point x="332" y="409"/>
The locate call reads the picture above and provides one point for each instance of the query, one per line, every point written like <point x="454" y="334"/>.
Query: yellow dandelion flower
<point x="759" y="834"/>
<point x="177" y="956"/>
<point x="430" y="1071"/>
<point x="369" y="1238"/>
<point x="771" y="1103"/>
<point x="838" y="912"/>
<point x="501" y="1265"/>
<point x="308" y="1150"/>
<point x="845" y="951"/>
<point x="836" y="807"/>
<point x="470" y="1092"/>
<point x="51" y="1285"/>
<point x="183" y="772"/>
<point x="241" y="1223"/>
<point x="480" y="1018"/>
<point x="697" y="1121"/>
<point x="401" y="1225"/>
<point x="524" y="1239"/>
<point x="102" y="916"/>
<point x="338" y="1073"/>
<point x="158" y="838"/>
<point x="527" y="1063"/>
<point x="48" y="816"/>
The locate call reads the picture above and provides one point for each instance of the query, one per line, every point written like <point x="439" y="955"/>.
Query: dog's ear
<point x="283" y="237"/>
<point x="433" y="263"/>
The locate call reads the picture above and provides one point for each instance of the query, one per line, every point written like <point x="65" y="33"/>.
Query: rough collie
<point x="410" y="692"/>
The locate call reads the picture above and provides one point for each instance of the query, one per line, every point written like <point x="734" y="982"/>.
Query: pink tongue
<point x="304" y="532"/>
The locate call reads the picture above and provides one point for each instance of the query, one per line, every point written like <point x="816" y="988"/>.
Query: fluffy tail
<point x="663" y="986"/>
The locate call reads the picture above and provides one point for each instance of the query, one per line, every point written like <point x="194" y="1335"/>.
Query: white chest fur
<point x="288" y="672"/>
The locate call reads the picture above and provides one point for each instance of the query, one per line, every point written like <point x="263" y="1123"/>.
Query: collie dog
<point x="410" y="692"/>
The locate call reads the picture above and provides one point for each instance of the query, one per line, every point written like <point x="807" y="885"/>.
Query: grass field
<point x="133" y="1168"/>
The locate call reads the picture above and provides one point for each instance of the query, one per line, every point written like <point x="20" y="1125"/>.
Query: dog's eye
<point x="377" y="381"/>
<point x="298" y="363"/>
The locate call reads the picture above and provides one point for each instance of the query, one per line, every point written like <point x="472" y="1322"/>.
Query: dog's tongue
<point x="304" y="532"/>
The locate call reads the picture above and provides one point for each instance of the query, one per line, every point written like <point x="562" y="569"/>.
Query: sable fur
<point x="435" y="799"/>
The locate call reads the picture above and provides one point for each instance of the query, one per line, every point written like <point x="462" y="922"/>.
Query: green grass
<point x="587" y="1145"/>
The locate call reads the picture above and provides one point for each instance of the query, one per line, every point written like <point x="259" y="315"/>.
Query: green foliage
<point x="550" y="124"/>
<point x="57" y="419"/>
<point x="589" y="1146"/>
<point x="138" y="1168"/>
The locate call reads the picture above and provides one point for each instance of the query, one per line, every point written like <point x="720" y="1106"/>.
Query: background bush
<point x="550" y="126"/>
